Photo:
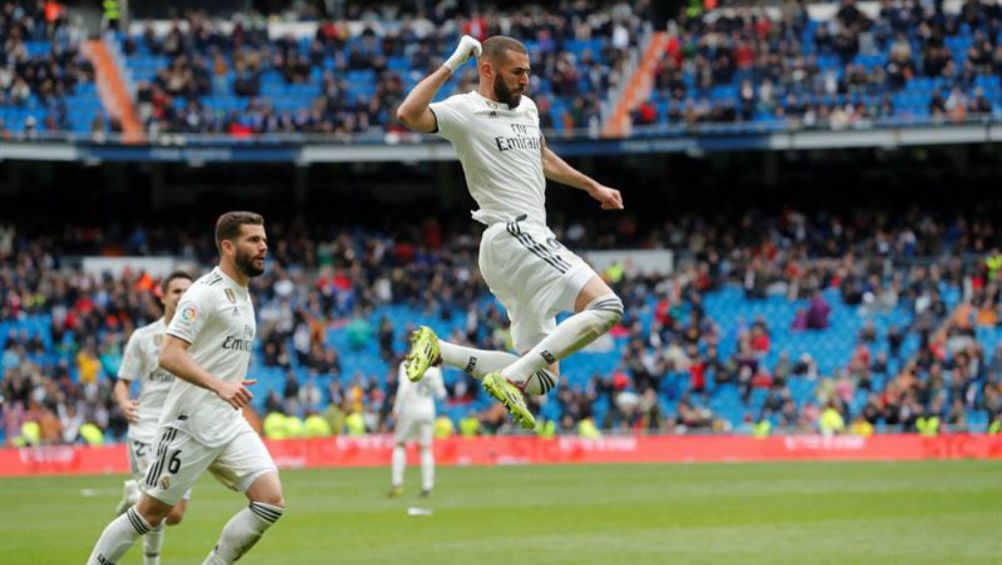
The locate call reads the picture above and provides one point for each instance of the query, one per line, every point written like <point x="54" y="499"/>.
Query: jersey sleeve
<point x="451" y="116"/>
<point x="192" y="314"/>
<point x="132" y="360"/>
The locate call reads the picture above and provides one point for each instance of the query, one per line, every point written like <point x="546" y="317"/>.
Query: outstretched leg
<point x="427" y="350"/>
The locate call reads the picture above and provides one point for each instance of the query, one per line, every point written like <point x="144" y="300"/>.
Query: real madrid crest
<point x="230" y="295"/>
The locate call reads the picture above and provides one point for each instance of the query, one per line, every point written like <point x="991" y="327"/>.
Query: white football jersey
<point x="416" y="401"/>
<point x="501" y="152"/>
<point x="140" y="363"/>
<point x="216" y="317"/>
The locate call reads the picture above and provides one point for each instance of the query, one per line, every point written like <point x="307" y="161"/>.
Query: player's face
<point x="250" y="250"/>
<point x="511" y="77"/>
<point x="175" y="289"/>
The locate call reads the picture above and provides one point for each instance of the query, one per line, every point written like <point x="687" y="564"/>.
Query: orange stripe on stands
<point x="114" y="95"/>
<point x="638" y="87"/>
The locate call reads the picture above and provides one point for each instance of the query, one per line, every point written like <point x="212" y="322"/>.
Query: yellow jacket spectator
<point x="444" y="427"/>
<point x="546" y="429"/>
<point x="588" y="430"/>
<point x="927" y="426"/>
<point x="31" y="433"/>
<point x="91" y="434"/>
<point x="469" y="426"/>
<point x="762" y="429"/>
<point x="831" y="421"/>
<point x="317" y="426"/>
<point x="88" y="364"/>
<point x="294" y="427"/>
<point x="274" y="426"/>
<point x="861" y="428"/>
<point x="335" y="416"/>
<point x="355" y="423"/>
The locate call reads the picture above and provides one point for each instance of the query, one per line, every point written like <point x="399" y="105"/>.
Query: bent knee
<point x="276" y="500"/>
<point x="610" y="307"/>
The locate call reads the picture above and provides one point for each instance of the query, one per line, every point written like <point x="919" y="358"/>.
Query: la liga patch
<point x="189" y="313"/>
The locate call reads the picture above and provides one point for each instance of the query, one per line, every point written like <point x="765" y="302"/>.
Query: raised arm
<point x="557" y="170"/>
<point x="413" y="112"/>
<point x="174" y="358"/>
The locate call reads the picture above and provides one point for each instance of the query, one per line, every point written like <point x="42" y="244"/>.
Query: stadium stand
<point x="198" y="75"/>
<point x="904" y="62"/>
<point x="46" y="83"/>
<point x="765" y="319"/>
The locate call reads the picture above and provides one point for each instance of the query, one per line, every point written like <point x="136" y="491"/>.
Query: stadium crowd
<point x="41" y="64"/>
<point x="204" y="59"/>
<point x="912" y="59"/>
<point x="672" y="362"/>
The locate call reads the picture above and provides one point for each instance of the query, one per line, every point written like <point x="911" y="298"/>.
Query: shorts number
<point x="140" y="448"/>
<point x="175" y="463"/>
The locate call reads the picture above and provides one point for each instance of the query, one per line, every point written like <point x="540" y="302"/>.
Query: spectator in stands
<point x="817" y="312"/>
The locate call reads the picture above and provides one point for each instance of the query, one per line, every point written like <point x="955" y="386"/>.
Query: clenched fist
<point x="468" y="47"/>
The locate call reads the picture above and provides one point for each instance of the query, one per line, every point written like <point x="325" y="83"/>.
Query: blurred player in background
<point x="414" y="412"/>
<point x="208" y="346"/>
<point x="495" y="132"/>
<point x="141" y="363"/>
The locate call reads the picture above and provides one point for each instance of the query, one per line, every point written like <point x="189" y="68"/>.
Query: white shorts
<point x="181" y="460"/>
<point x="533" y="275"/>
<point x="140" y="458"/>
<point x="412" y="429"/>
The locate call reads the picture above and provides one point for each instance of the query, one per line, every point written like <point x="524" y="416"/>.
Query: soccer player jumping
<point x="495" y="132"/>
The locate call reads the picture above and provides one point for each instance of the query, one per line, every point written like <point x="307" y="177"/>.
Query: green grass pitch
<point x="786" y="513"/>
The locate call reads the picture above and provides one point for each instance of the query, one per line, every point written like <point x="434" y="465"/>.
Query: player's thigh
<point x="179" y="461"/>
<point x="549" y="277"/>
<point x="405" y="430"/>
<point x="497" y="253"/>
<point x="242" y="461"/>
<point x="425" y="433"/>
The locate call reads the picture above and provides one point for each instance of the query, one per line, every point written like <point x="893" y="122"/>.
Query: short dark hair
<point x="228" y="225"/>
<point x="165" y="284"/>
<point x="493" y="47"/>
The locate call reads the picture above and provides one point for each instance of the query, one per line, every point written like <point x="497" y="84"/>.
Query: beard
<point x="245" y="262"/>
<point x="509" y="96"/>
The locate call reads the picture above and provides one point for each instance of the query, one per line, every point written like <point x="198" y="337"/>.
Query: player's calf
<point x="247" y="526"/>
<point x="597" y="317"/>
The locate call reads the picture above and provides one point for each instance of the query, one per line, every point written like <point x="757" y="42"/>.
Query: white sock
<point x="242" y="532"/>
<point x="398" y="465"/>
<point x="574" y="333"/>
<point x="118" y="537"/>
<point x="152" y="542"/>
<point x="427" y="468"/>
<point x="479" y="362"/>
